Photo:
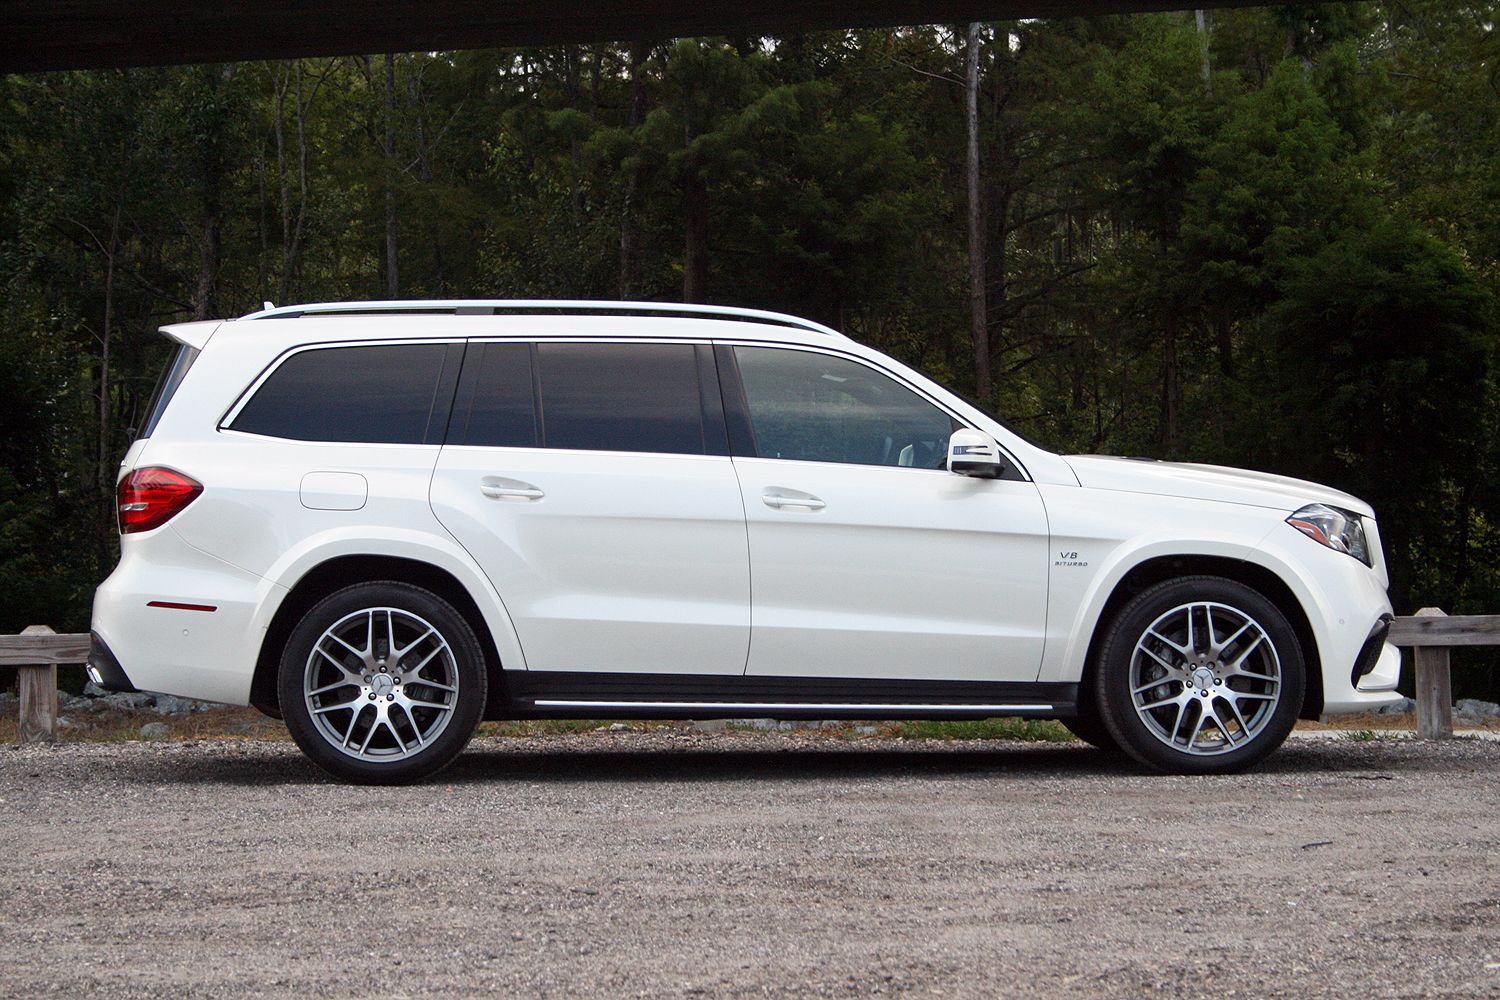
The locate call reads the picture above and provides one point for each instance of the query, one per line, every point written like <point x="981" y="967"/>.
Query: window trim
<point x="434" y="436"/>
<point x="737" y="407"/>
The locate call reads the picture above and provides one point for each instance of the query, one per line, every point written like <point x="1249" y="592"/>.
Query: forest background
<point x="1265" y="237"/>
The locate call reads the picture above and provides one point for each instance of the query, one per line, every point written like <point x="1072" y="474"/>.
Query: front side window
<point x="385" y="394"/>
<point x="813" y="407"/>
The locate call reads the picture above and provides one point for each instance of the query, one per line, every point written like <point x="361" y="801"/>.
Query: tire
<point x="1088" y="726"/>
<point x="1228" y="673"/>
<point x="382" y="683"/>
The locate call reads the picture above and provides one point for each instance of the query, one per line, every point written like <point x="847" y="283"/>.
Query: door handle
<point x="801" y="501"/>
<point x="498" y="488"/>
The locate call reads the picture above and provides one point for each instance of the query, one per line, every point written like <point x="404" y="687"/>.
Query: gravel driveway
<point x="677" y="863"/>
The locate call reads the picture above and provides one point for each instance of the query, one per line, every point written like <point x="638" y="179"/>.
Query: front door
<point x="869" y="559"/>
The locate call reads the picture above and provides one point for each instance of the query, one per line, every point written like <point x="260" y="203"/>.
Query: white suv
<point x="384" y="522"/>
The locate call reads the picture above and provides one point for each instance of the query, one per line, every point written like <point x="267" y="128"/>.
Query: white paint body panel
<point x="627" y="562"/>
<point x="905" y="573"/>
<point x="673" y="563"/>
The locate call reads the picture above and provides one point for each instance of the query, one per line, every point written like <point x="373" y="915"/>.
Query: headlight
<point x="1340" y="530"/>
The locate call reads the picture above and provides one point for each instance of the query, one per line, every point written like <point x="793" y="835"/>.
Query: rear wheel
<point x="1200" y="675"/>
<point x="382" y="683"/>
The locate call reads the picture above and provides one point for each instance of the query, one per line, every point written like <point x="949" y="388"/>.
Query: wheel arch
<point x="340" y="571"/>
<point x="1264" y="581"/>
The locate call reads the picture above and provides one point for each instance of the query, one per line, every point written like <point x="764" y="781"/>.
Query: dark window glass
<point x="621" y="397"/>
<point x="384" y="394"/>
<point x="502" y="413"/>
<point x="818" y="408"/>
<point x="166" y="386"/>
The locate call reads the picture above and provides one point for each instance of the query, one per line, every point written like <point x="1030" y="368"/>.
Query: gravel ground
<point x="671" y="863"/>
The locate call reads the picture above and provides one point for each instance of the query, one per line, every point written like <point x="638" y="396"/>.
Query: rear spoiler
<point x="194" y="335"/>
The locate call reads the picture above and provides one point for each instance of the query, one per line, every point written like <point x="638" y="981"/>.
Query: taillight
<point x="150" y="497"/>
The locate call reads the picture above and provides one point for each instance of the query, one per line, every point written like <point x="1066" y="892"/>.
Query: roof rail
<point x="491" y="307"/>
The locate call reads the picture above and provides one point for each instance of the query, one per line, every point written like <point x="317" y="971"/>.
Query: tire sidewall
<point x="1113" y="682"/>
<point x="468" y="658"/>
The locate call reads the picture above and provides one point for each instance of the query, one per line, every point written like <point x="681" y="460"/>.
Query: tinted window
<point x="817" y="408"/>
<point x="498" y="407"/>
<point x="621" y="397"/>
<point x="386" y="394"/>
<point x="166" y="386"/>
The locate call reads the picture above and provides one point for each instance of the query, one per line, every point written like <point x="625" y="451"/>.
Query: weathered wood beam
<point x="37" y="683"/>
<point x="1438" y="629"/>
<point x="1434" y="682"/>
<point x="40" y="645"/>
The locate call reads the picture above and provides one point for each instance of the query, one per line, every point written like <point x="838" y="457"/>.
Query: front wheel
<point x="1200" y="675"/>
<point x="382" y="683"/>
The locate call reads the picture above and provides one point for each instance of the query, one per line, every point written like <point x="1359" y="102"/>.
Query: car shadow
<point x="559" y="762"/>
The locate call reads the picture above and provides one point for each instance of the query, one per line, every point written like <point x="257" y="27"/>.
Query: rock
<point x="7" y="701"/>
<point x="129" y="702"/>
<point x="155" y="731"/>
<point x="710" y="725"/>
<point x="1476" y="709"/>
<point x="72" y="702"/>
<point x="92" y="690"/>
<point x="169" y="704"/>
<point x="618" y="727"/>
<point x="1401" y="707"/>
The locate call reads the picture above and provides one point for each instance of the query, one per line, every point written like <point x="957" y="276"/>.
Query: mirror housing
<point x="974" y="453"/>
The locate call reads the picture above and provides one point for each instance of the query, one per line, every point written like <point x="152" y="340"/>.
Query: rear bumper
<point x="104" y="667"/>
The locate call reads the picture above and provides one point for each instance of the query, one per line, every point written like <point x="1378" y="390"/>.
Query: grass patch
<point x="1024" y="730"/>
<point x="1362" y="736"/>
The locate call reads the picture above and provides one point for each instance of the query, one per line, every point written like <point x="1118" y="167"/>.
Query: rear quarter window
<point x="381" y="394"/>
<point x="166" y="387"/>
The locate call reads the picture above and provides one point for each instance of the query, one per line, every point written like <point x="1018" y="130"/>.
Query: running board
<point x="570" y="695"/>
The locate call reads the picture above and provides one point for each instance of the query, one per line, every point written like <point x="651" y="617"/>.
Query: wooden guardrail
<point x="1430" y="633"/>
<point x="35" y="654"/>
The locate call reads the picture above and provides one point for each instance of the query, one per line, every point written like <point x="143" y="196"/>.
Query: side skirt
<point x="570" y="695"/>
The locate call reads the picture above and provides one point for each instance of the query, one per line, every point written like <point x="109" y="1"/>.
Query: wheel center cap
<point x="382" y="685"/>
<point x="1203" y="678"/>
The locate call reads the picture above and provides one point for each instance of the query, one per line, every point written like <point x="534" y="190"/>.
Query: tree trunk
<point x="212" y="156"/>
<point x="1171" y="385"/>
<point x="418" y="96"/>
<point x="392" y="282"/>
<point x="629" y="252"/>
<point x="1205" y="57"/>
<point x="695" y="246"/>
<point x="978" y="315"/>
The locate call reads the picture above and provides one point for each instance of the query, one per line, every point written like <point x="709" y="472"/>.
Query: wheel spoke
<point x="342" y="682"/>
<point x="425" y="704"/>
<point x="1171" y="668"/>
<point x="1239" y="716"/>
<point x="396" y="655"/>
<point x="1182" y="650"/>
<point x="416" y="729"/>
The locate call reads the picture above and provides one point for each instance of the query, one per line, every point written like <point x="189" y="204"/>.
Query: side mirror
<point x="974" y="453"/>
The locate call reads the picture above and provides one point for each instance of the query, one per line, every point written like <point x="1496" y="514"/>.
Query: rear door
<point x="592" y="483"/>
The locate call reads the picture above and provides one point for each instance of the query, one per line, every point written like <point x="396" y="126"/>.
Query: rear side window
<point x="621" y="397"/>
<point x="166" y="386"/>
<point x="385" y="394"/>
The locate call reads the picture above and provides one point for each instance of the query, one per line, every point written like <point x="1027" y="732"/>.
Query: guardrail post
<point x="1434" y="687"/>
<point x="37" y="684"/>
